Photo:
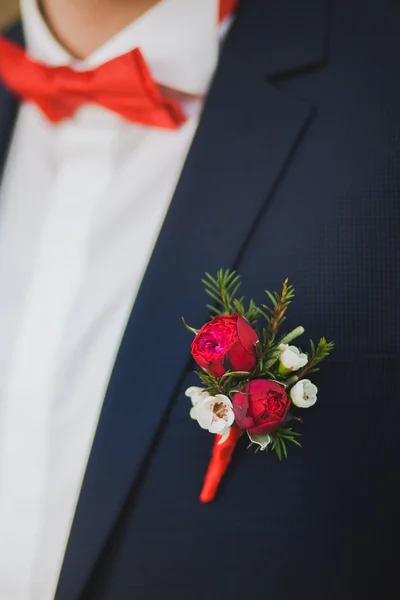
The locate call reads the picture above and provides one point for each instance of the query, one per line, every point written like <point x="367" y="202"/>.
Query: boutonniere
<point x="253" y="379"/>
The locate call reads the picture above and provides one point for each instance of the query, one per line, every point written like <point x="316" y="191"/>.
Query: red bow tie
<point x="123" y="85"/>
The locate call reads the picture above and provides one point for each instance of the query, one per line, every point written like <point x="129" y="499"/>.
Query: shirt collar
<point x="179" y="40"/>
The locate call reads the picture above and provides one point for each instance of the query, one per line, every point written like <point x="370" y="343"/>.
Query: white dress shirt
<point x="82" y="203"/>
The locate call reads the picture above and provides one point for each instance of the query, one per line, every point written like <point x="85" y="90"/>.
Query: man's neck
<point x="82" y="26"/>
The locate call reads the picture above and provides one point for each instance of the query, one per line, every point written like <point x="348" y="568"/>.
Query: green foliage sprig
<point x="316" y="355"/>
<point x="279" y="439"/>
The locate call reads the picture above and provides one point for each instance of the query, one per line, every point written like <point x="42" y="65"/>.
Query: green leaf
<point x="296" y="442"/>
<point x="287" y="431"/>
<point x="276" y="446"/>
<point x="282" y="441"/>
<point x="213" y="309"/>
<point x="269" y="374"/>
<point x="191" y="329"/>
<point x="234" y="286"/>
<point x="263" y="314"/>
<point x="239" y="307"/>
<point x="269" y="309"/>
<point x="214" y="296"/>
<point x="271" y="297"/>
<point x="278" y="449"/>
<point x="229" y="374"/>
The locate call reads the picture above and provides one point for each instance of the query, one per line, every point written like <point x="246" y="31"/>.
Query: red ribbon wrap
<point x="220" y="459"/>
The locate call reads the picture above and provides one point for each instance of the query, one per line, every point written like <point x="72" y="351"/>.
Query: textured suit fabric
<point x="310" y="190"/>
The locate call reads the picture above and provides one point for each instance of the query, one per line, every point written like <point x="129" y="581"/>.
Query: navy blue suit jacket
<point x="294" y="171"/>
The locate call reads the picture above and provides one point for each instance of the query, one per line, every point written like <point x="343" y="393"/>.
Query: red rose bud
<point x="261" y="407"/>
<point x="227" y="343"/>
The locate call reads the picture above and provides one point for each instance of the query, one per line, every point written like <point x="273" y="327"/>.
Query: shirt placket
<point x="83" y="167"/>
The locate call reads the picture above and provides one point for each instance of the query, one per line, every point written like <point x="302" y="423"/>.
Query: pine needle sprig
<point x="323" y="349"/>
<point x="211" y="385"/>
<point x="253" y="313"/>
<point x="279" y="439"/>
<point x="280" y="304"/>
<point x="223" y="290"/>
<point x="316" y="355"/>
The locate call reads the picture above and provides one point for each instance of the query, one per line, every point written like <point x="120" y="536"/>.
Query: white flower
<point x="304" y="393"/>
<point x="291" y="357"/>
<point x="224" y="435"/>
<point x="196" y="395"/>
<point x="214" y="413"/>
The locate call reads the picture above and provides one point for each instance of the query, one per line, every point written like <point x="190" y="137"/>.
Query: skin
<point x="82" y="26"/>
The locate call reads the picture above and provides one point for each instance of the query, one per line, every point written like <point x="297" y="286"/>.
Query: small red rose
<point x="227" y="343"/>
<point x="261" y="407"/>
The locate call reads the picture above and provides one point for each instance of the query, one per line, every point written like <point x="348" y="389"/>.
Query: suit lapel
<point x="244" y="143"/>
<point x="8" y="106"/>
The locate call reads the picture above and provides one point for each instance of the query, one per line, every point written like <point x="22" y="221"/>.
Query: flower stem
<point x="309" y="366"/>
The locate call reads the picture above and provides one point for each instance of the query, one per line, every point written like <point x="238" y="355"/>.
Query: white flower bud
<point x="304" y="393"/>
<point x="291" y="358"/>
